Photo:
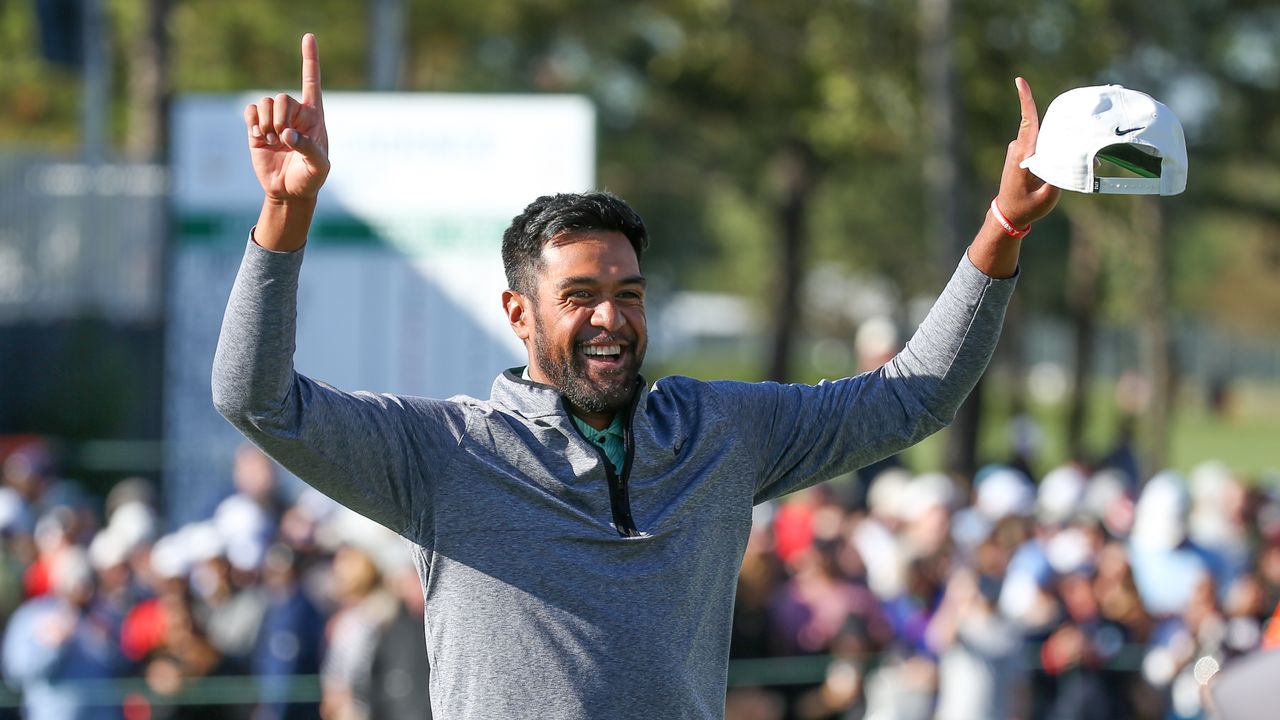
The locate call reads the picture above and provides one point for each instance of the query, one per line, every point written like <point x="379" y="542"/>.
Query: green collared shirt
<point x="611" y="439"/>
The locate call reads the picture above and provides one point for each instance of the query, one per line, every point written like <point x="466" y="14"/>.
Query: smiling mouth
<point x="603" y="350"/>
<point x="609" y="355"/>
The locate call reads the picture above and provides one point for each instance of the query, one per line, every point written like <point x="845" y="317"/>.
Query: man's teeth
<point x="602" y="349"/>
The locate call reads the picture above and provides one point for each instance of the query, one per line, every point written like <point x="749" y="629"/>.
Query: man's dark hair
<point x="551" y="215"/>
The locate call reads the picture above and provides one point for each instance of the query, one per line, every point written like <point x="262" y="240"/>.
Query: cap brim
<point x="1042" y="167"/>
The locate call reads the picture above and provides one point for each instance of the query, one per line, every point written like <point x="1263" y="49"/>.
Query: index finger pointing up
<point x="310" y="71"/>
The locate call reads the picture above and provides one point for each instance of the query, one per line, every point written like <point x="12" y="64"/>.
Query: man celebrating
<point x="578" y="535"/>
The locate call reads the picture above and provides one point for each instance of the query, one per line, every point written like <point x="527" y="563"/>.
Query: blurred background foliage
<point x="763" y="140"/>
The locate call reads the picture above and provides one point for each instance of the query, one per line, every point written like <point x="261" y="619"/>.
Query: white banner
<point x="403" y="278"/>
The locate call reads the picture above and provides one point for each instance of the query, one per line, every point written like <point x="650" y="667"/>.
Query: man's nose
<point x="606" y="316"/>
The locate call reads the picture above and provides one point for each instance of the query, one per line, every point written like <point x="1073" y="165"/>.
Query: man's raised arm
<point x="376" y="454"/>
<point x="805" y="434"/>
<point x="289" y="149"/>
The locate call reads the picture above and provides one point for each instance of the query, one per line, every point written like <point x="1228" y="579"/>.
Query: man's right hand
<point x="288" y="142"/>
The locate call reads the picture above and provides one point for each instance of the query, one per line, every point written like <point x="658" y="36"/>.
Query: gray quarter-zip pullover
<point x="538" y="604"/>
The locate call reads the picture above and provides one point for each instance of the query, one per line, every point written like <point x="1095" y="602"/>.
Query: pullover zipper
<point x="619" y="500"/>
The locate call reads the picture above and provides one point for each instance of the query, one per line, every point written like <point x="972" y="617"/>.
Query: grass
<point x="1246" y="436"/>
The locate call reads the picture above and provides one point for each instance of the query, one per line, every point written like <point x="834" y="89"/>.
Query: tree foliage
<point x="740" y="127"/>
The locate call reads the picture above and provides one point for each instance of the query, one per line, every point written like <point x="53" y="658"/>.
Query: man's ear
<point x="518" y="313"/>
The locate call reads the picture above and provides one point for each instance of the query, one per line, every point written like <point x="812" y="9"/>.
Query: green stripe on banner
<point x="216" y="229"/>
<point x="247" y="690"/>
<point x="413" y="235"/>
<point x="215" y="690"/>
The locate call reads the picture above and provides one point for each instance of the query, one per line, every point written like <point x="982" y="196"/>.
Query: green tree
<point x="760" y="138"/>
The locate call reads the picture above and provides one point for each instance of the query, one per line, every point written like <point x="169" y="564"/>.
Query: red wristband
<point x="1009" y="228"/>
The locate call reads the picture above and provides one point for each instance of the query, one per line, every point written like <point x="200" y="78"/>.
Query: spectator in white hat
<point x="1166" y="566"/>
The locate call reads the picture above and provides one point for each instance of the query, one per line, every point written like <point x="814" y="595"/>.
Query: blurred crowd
<point x="110" y="614"/>
<point x="1084" y="593"/>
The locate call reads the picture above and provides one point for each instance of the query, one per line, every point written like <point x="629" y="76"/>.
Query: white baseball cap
<point x="1129" y="129"/>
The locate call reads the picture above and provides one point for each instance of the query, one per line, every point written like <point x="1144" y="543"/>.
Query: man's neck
<point x="599" y="421"/>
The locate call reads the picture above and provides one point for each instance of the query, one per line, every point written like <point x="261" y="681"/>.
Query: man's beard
<point x="568" y="373"/>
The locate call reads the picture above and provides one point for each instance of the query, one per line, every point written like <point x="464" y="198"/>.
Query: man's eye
<point x="580" y="294"/>
<point x="630" y="295"/>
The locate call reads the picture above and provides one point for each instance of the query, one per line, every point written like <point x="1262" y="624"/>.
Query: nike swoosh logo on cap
<point x="1126" y="132"/>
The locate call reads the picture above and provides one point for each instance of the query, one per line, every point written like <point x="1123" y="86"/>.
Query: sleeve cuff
<point x="253" y="243"/>
<point x="969" y="278"/>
